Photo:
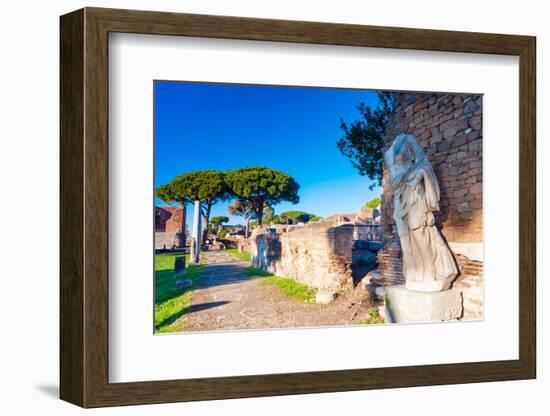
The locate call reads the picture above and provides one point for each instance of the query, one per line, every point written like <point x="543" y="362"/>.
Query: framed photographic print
<point x="255" y="207"/>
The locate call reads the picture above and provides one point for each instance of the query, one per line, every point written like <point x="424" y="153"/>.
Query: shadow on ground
<point x="190" y="309"/>
<point x="51" y="390"/>
<point x="226" y="274"/>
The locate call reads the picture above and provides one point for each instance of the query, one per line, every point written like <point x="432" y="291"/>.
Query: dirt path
<point x="227" y="298"/>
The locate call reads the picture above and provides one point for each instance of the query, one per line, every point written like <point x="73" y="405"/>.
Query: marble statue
<point x="428" y="264"/>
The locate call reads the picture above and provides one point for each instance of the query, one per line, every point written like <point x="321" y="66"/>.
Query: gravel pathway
<point x="228" y="299"/>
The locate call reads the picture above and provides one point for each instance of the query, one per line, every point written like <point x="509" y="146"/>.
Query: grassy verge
<point x="239" y="255"/>
<point x="291" y="288"/>
<point x="373" y="318"/>
<point x="254" y="271"/>
<point x="170" y="302"/>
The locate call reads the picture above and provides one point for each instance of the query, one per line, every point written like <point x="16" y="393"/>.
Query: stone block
<point x="448" y="133"/>
<point x="380" y="292"/>
<point x="476" y="189"/>
<point x="403" y="305"/>
<point x="179" y="267"/>
<point x="324" y="298"/>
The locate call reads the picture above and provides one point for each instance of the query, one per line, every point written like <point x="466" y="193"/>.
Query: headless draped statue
<point x="428" y="264"/>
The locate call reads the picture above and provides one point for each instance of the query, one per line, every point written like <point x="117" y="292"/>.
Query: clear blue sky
<point x="291" y="129"/>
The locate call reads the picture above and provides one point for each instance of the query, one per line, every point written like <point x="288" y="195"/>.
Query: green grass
<point x="289" y="287"/>
<point x="239" y="254"/>
<point x="373" y="319"/>
<point x="170" y="302"/>
<point x="292" y="288"/>
<point x="254" y="271"/>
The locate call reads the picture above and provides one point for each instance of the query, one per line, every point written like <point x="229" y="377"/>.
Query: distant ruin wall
<point x="169" y="222"/>
<point x="166" y="240"/>
<point x="318" y="255"/>
<point x="168" y="218"/>
<point x="369" y="232"/>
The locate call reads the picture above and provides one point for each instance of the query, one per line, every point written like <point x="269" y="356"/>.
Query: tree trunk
<point x="206" y="220"/>
<point x="260" y="215"/>
<point x="183" y="237"/>
<point x="247" y="224"/>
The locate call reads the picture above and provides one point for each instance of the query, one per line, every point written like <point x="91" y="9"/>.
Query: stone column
<point x="196" y="242"/>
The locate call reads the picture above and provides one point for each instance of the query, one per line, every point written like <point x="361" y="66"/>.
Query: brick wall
<point x="318" y="255"/>
<point x="168" y="218"/>
<point x="168" y="223"/>
<point x="449" y="128"/>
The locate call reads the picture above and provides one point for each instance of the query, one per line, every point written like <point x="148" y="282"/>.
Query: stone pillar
<point x="196" y="242"/>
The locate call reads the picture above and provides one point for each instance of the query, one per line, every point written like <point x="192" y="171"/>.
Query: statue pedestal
<point x="403" y="305"/>
<point x="430" y="286"/>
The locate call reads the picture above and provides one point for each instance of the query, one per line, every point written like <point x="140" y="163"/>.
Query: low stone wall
<point x="318" y="255"/>
<point x="243" y="245"/>
<point x="229" y="242"/>
<point x="166" y="240"/>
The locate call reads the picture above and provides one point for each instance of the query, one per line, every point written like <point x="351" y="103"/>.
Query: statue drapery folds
<point x="428" y="264"/>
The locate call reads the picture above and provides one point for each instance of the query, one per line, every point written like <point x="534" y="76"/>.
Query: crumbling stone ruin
<point x="318" y="255"/>
<point x="337" y="252"/>
<point x="325" y="255"/>
<point x="169" y="227"/>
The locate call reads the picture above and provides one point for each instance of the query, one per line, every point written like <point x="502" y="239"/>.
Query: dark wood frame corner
<point x="84" y="207"/>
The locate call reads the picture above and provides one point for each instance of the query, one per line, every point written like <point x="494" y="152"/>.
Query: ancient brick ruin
<point x="327" y="255"/>
<point x="168" y="227"/>
<point x="318" y="255"/>
<point x="449" y="128"/>
<point x="323" y="255"/>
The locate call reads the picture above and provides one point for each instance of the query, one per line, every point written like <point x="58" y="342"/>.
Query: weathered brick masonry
<point x="318" y="255"/>
<point x="449" y="128"/>
<point x="168" y="225"/>
<point x="168" y="218"/>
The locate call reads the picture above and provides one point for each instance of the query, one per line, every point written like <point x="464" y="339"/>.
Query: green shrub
<point x="374" y="203"/>
<point x="373" y="319"/>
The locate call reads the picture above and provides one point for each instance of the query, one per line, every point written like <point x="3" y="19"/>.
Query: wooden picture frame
<point x="84" y="207"/>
